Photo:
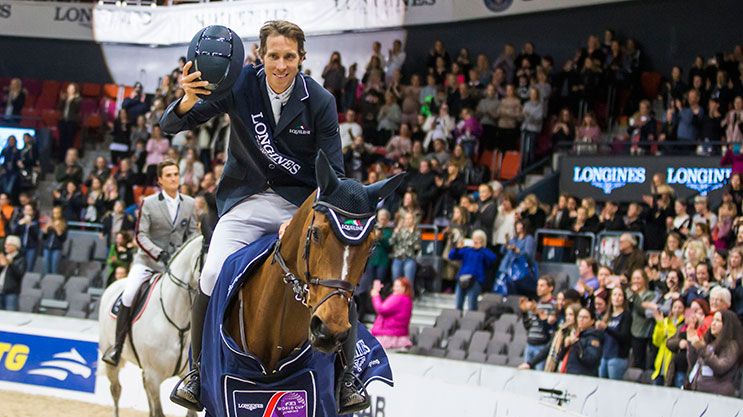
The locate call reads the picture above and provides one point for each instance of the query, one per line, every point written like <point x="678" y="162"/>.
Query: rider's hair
<point x="281" y="28"/>
<point x="164" y="164"/>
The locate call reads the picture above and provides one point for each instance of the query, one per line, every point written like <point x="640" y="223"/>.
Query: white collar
<point x="282" y="97"/>
<point x="171" y="199"/>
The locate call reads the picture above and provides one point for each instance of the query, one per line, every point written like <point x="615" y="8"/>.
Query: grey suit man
<point x="165" y="222"/>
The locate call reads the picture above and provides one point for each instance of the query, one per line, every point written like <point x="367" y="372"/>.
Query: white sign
<point x="177" y="24"/>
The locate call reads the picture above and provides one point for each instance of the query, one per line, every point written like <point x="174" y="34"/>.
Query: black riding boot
<point x="113" y="353"/>
<point x="188" y="393"/>
<point x="352" y="397"/>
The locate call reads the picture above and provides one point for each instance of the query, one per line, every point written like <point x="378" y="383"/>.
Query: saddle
<point x="140" y="300"/>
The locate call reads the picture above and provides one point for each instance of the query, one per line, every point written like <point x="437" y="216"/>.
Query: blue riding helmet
<point x="218" y="53"/>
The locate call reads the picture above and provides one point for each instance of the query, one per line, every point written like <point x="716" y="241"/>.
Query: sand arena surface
<point x="16" y="404"/>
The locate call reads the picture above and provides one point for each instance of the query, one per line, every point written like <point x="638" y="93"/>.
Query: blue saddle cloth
<point x="235" y="383"/>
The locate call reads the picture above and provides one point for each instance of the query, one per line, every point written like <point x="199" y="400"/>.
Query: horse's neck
<point x="275" y="323"/>
<point x="174" y="289"/>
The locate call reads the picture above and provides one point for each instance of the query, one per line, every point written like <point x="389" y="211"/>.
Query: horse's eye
<point x="315" y="234"/>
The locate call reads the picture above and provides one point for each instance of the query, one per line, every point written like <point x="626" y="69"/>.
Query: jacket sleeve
<point x="18" y="267"/>
<point x="723" y="362"/>
<point x="672" y="343"/>
<point x="541" y="356"/>
<point x="386" y="307"/>
<point x="328" y="136"/>
<point x="659" y="333"/>
<point x="203" y="111"/>
<point x="590" y="354"/>
<point x="142" y="233"/>
<point x="455" y="254"/>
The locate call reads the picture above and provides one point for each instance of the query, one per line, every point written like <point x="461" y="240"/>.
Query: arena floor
<point x="16" y="404"/>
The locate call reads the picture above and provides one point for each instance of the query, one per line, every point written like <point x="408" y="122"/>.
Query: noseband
<point x="301" y="288"/>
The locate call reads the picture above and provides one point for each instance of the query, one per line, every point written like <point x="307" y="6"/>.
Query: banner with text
<point x="48" y="361"/>
<point x="627" y="178"/>
<point x="177" y="24"/>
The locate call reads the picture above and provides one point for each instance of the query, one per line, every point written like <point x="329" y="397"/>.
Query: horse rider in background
<point x="165" y="222"/>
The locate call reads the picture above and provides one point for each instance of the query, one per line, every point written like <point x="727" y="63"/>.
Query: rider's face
<point x="281" y="62"/>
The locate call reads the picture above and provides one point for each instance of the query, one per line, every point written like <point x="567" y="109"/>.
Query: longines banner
<point x="177" y="24"/>
<point x="626" y="178"/>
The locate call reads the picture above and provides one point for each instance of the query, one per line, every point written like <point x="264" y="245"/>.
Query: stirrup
<point x="189" y="403"/>
<point x="111" y="356"/>
<point x="353" y="408"/>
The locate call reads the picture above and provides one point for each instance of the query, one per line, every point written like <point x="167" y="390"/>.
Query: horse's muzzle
<point x="322" y="338"/>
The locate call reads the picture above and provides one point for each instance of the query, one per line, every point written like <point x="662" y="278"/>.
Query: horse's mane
<point x="186" y="243"/>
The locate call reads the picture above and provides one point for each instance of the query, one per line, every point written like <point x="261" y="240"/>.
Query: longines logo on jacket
<point x="267" y="147"/>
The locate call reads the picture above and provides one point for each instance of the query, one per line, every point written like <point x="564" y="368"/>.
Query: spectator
<point x="587" y="282"/>
<point x="563" y="130"/>
<point x="100" y="170"/>
<point x="392" y="324"/>
<point x="533" y="115"/>
<point x="438" y="127"/>
<point x="476" y="261"/>
<point x="630" y="257"/>
<point x="487" y="112"/>
<point x="334" y="75"/>
<point x="437" y="52"/>
<point x="566" y="329"/>
<point x="581" y="353"/>
<point x="703" y="214"/>
<point x="401" y="144"/>
<point x="688" y="119"/>
<point x="15" y="99"/>
<point x="55" y="234"/>
<point x="665" y="328"/>
<point x="13" y="267"/>
<point x="460" y="159"/>
<point x="710" y="129"/>
<point x="29" y="164"/>
<point x="71" y="201"/>
<point x="6" y="215"/>
<point x="90" y="213"/>
<point x="530" y="210"/>
<point x="733" y="122"/>
<point x="157" y="149"/>
<point x="423" y="183"/>
<point x="379" y="262"/>
<point x="9" y="171"/>
<point x="409" y="205"/>
<point x="468" y="133"/>
<point x="395" y="58"/>
<point x="522" y="243"/>
<point x="191" y="169"/>
<point x="487" y="210"/>
<point x="450" y="188"/>
<point x="120" y="253"/>
<point x="406" y="243"/>
<point x="641" y="300"/>
<point x="369" y="108"/>
<point x="510" y="114"/>
<point x="642" y="129"/>
<point x="27" y="228"/>
<point x="716" y="356"/>
<point x="70" y="170"/>
<point x="349" y="129"/>
<point x="540" y="320"/>
<point x="136" y="104"/>
<point x="356" y="158"/>
<point x="117" y="221"/>
<point x="122" y="135"/>
<point x="609" y="219"/>
<point x="616" y="326"/>
<point x="69" y="119"/>
<point x="505" y="221"/>
<point x="351" y="88"/>
<point x="588" y="135"/>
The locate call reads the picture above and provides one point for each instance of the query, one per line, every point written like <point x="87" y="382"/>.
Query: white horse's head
<point x="187" y="262"/>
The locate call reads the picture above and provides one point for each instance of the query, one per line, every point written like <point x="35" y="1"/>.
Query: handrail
<point x="528" y="170"/>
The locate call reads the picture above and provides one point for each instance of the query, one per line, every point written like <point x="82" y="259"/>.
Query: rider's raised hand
<point x="192" y="86"/>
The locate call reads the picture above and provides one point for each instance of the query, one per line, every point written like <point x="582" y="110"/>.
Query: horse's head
<point x="337" y="244"/>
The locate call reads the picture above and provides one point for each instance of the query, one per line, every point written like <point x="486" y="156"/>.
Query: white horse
<point x="162" y="334"/>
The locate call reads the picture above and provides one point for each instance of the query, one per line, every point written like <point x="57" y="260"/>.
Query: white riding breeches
<point x="258" y="215"/>
<point x="138" y="274"/>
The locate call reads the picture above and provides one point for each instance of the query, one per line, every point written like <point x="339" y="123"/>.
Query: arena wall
<point x="424" y="386"/>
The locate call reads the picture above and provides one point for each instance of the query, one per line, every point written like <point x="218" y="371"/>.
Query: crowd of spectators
<point x="677" y="295"/>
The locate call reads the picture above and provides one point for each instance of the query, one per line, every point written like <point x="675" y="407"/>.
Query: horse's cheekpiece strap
<point x="349" y="228"/>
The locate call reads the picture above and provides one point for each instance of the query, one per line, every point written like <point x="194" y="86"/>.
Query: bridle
<point x="301" y="288"/>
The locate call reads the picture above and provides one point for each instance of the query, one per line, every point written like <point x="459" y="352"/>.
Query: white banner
<point x="176" y="25"/>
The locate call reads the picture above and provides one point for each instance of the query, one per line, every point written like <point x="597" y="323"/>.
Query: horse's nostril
<point x="316" y="325"/>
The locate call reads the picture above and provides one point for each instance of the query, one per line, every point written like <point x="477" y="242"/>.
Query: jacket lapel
<point x="164" y="209"/>
<point x="294" y="105"/>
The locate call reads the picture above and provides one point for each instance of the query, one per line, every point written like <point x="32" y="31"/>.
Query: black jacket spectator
<point x="486" y="218"/>
<point x="29" y="234"/>
<point x="14" y="275"/>
<point x="424" y="185"/>
<point x="64" y="173"/>
<point x="110" y="220"/>
<point x="625" y="263"/>
<point x="585" y="354"/>
<point x="53" y="240"/>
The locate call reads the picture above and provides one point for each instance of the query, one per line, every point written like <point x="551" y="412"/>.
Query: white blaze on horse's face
<point x="344" y="270"/>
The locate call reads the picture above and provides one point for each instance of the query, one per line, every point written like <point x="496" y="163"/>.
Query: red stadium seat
<point x="32" y="86"/>
<point x="511" y="165"/>
<point x="29" y="117"/>
<point x="50" y="89"/>
<point x="90" y="90"/>
<point x="110" y="90"/>
<point x="650" y="82"/>
<point x="30" y="101"/>
<point x="50" y="117"/>
<point x="88" y="106"/>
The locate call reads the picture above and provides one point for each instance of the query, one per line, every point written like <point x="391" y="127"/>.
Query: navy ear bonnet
<point x="349" y="210"/>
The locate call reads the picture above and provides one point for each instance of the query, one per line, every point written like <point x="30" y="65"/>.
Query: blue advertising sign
<point x="48" y="361"/>
<point x="627" y="178"/>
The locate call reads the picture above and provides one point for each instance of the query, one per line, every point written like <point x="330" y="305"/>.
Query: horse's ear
<point x="382" y="189"/>
<point x="325" y="175"/>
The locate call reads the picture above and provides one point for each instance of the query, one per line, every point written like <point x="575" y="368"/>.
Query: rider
<point x="279" y="120"/>
<point x="165" y="222"/>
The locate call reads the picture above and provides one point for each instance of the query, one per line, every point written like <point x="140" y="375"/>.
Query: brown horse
<point x="303" y="291"/>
